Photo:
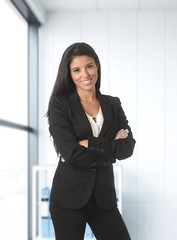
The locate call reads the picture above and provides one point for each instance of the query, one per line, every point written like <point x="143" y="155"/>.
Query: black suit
<point x="86" y="170"/>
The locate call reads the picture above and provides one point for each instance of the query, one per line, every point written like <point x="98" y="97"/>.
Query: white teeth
<point x="86" y="81"/>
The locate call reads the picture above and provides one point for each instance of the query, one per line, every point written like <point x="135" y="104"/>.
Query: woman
<point x="90" y="131"/>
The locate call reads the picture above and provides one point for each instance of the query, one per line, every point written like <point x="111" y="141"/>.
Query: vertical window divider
<point x="32" y="113"/>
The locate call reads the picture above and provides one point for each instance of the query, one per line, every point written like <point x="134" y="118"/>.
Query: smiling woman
<point x="90" y="131"/>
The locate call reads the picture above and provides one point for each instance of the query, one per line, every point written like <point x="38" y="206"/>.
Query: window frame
<point x="33" y="106"/>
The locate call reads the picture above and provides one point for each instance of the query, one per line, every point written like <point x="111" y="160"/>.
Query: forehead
<point x="80" y="61"/>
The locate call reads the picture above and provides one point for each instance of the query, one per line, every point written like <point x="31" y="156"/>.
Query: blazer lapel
<point x="106" y="110"/>
<point x="80" y="116"/>
<point x="109" y="126"/>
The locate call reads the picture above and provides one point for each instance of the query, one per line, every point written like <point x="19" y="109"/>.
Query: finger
<point x="122" y="135"/>
<point x="120" y="132"/>
<point x="125" y="132"/>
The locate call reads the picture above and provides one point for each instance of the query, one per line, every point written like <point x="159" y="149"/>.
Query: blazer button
<point x="102" y="150"/>
<point x="93" y="170"/>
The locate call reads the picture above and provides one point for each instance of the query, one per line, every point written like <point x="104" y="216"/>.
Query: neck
<point x="87" y="96"/>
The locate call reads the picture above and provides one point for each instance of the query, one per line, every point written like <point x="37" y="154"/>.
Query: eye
<point x="76" y="70"/>
<point x="90" y="66"/>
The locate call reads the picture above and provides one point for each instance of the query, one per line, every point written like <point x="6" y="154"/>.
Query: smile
<point x="86" y="81"/>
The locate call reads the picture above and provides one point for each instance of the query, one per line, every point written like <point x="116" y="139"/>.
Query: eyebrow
<point x="86" y="65"/>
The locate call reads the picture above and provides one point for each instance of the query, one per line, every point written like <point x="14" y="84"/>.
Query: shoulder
<point x="60" y="98"/>
<point x="111" y="99"/>
<point x="59" y="101"/>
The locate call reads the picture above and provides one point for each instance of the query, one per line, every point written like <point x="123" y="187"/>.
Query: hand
<point x="84" y="143"/>
<point x="123" y="133"/>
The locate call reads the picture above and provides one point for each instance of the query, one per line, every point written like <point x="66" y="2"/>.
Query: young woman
<point x="90" y="131"/>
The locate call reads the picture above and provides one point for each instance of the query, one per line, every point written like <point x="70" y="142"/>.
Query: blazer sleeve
<point x="120" y="148"/>
<point x="62" y="132"/>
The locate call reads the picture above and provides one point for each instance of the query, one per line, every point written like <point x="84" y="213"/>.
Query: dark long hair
<point x="64" y="83"/>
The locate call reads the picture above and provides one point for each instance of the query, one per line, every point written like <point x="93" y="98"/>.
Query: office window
<point x="13" y="109"/>
<point x="13" y="64"/>
<point x="13" y="184"/>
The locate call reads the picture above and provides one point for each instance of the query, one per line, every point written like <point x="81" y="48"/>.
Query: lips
<point x="86" y="82"/>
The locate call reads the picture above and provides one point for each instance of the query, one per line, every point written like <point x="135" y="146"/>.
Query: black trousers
<point x="69" y="224"/>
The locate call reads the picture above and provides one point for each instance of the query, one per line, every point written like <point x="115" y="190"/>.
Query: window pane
<point x="13" y="184"/>
<point x="13" y="64"/>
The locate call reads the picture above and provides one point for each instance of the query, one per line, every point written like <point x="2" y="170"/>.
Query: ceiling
<point x="101" y="5"/>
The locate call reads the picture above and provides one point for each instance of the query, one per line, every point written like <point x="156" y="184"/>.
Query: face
<point x="84" y="72"/>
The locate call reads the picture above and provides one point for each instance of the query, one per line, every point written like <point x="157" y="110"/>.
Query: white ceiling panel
<point x="54" y="5"/>
<point x="99" y="5"/>
<point x="48" y="5"/>
<point x="158" y="5"/>
<point x="76" y="4"/>
<point x="118" y="4"/>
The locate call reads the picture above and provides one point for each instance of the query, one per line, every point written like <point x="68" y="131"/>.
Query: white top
<point x="96" y="126"/>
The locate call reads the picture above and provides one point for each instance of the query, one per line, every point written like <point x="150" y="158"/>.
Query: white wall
<point x="138" y="52"/>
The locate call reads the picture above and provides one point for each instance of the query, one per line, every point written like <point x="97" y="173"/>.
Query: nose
<point x="85" y="73"/>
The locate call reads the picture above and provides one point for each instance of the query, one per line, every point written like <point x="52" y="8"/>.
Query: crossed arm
<point x="123" y="133"/>
<point x="92" y="151"/>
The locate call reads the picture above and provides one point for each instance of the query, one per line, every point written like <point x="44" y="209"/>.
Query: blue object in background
<point x="88" y="232"/>
<point x="44" y="228"/>
<point x="45" y="216"/>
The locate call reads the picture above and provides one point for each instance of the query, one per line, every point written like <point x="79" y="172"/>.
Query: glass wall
<point x="14" y="109"/>
<point x="13" y="64"/>
<point x="13" y="184"/>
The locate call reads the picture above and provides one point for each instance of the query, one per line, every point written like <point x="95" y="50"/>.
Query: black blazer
<point x="86" y="169"/>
